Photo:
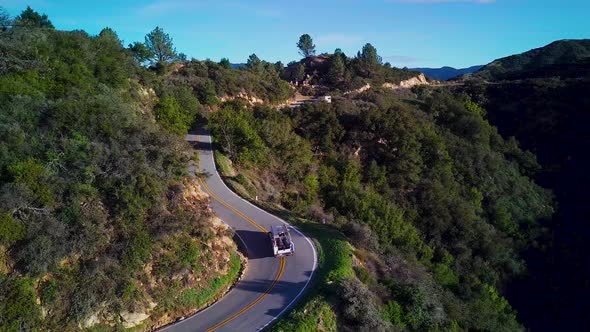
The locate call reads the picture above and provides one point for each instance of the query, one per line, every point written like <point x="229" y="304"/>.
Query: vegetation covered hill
<point x="560" y="58"/>
<point x="336" y="73"/>
<point x="548" y="113"/>
<point x="436" y="203"/>
<point x="99" y="225"/>
<point x="258" y="81"/>
<point x="422" y="208"/>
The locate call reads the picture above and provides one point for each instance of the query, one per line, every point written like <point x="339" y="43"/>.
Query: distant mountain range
<point x="446" y="73"/>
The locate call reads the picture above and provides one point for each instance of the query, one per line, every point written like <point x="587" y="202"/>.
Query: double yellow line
<point x="262" y="229"/>
<point x="238" y="212"/>
<point x="253" y="303"/>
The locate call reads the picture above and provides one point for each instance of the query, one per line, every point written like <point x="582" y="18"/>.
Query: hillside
<point x="436" y="204"/>
<point x="100" y="227"/>
<point x="446" y="73"/>
<point x="546" y="108"/>
<point x="420" y="208"/>
<point x="336" y="73"/>
<point x="562" y="57"/>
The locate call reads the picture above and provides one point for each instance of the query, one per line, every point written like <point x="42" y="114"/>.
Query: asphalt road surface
<point x="269" y="286"/>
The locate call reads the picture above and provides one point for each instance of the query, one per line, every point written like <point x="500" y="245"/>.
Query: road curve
<point x="269" y="285"/>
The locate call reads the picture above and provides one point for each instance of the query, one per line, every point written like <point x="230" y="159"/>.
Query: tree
<point x="369" y="55"/>
<point x="306" y="46"/>
<point x="31" y="18"/>
<point x="108" y="33"/>
<point x="4" y="19"/>
<point x="279" y="68"/>
<point x="224" y="62"/>
<point x="337" y="69"/>
<point x="172" y="116"/>
<point x="299" y="72"/>
<point x="140" y="52"/>
<point x="160" y="44"/>
<point x="182" y="57"/>
<point x="254" y="63"/>
<point x="338" y="52"/>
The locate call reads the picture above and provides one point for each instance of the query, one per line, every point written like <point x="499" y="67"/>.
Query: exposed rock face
<point x="252" y="100"/>
<point x="131" y="319"/>
<point x="90" y="321"/>
<point x="359" y="90"/>
<point x="409" y="83"/>
<point x="418" y="80"/>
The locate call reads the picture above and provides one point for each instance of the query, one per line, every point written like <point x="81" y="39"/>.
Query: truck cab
<point x="281" y="241"/>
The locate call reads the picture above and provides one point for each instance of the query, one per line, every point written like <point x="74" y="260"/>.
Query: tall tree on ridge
<point x="369" y="55"/>
<point x="254" y="63"/>
<point x="306" y="46"/>
<point x="160" y="44"/>
<point x="31" y="18"/>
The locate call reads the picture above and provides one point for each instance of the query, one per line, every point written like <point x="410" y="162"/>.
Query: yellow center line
<point x="253" y="303"/>
<point x="262" y="229"/>
<point x="277" y="277"/>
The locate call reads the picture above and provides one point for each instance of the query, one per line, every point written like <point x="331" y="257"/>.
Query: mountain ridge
<point x="559" y="58"/>
<point x="446" y="72"/>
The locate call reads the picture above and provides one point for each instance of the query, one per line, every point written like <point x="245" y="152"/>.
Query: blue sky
<point x="409" y="33"/>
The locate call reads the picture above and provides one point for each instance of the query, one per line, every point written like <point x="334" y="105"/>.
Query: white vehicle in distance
<point x="281" y="241"/>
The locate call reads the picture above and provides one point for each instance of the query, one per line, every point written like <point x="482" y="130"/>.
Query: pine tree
<point x="306" y="46"/>
<point x="160" y="44"/>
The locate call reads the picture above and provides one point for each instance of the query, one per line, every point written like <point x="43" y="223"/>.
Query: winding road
<point x="269" y="285"/>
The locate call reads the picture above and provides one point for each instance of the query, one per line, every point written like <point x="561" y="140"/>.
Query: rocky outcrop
<point x="131" y="319"/>
<point x="252" y="100"/>
<point x="359" y="90"/>
<point x="90" y="321"/>
<point x="407" y="84"/>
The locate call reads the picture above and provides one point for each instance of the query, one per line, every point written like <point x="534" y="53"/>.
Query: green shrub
<point x="364" y="276"/>
<point x="49" y="291"/>
<point x="18" y="307"/>
<point x="170" y="114"/>
<point x="315" y="315"/>
<point x="188" y="255"/>
<point x="138" y="251"/>
<point x="10" y="229"/>
<point x="393" y="313"/>
<point x="359" y="307"/>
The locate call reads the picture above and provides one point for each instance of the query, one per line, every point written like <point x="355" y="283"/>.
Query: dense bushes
<point x="210" y="81"/>
<point x="359" y="306"/>
<point x="18" y="308"/>
<point x="432" y="182"/>
<point x="90" y="184"/>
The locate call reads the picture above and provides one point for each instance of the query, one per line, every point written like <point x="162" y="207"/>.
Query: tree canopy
<point x="31" y="18"/>
<point x="160" y="45"/>
<point x="254" y="63"/>
<point x="306" y="46"/>
<point x="141" y="53"/>
<point x="369" y="55"/>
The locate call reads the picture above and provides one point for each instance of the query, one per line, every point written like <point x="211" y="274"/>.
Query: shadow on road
<point x="258" y="243"/>
<point x="288" y="290"/>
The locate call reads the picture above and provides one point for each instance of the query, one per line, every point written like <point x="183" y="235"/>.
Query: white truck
<point x="281" y="241"/>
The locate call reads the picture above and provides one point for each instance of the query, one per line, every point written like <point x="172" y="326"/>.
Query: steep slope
<point x="549" y="115"/>
<point x="436" y="203"/>
<point x="98" y="225"/>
